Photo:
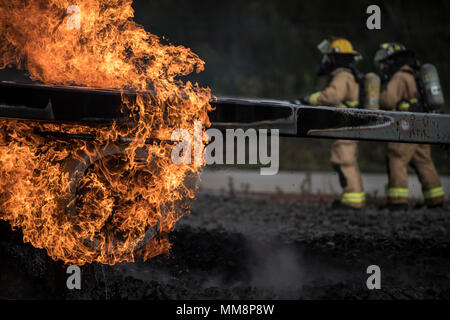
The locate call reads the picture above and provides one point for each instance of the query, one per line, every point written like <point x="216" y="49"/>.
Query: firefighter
<point x="342" y="92"/>
<point x="400" y="92"/>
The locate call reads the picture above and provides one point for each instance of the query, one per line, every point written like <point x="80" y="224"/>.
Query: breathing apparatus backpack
<point x="371" y="91"/>
<point x="431" y="97"/>
<point x="365" y="93"/>
<point x="431" y="88"/>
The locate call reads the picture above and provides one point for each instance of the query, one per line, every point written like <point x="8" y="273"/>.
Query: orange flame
<point x="125" y="193"/>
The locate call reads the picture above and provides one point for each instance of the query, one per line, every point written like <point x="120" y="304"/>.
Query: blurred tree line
<point x="258" y="48"/>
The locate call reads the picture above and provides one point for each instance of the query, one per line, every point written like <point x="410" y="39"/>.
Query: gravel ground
<point x="258" y="248"/>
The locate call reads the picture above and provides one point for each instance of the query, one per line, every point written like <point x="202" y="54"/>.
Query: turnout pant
<point x="344" y="158"/>
<point x="399" y="156"/>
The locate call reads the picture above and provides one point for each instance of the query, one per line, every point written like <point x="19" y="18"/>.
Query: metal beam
<point x="332" y="123"/>
<point x="96" y="106"/>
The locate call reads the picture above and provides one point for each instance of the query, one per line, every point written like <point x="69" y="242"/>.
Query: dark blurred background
<point x="268" y="49"/>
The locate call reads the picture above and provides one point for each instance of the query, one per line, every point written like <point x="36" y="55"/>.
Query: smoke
<point x="286" y="269"/>
<point x="145" y="272"/>
<point x="278" y="268"/>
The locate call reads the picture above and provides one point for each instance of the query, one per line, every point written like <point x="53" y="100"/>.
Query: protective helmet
<point x="337" y="46"/>
<point x="337" y="52"/>
<point x="388" y="51"/>
<point x="391" y="56"/>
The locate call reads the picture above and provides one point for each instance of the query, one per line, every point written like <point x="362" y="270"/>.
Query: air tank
<point x="434" y="97"/>
<point x="372" y="87"/>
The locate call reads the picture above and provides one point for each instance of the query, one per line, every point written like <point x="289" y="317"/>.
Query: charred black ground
<point x="256" y="248"/>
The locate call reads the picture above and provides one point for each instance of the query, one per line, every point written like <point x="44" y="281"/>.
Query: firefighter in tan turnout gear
<point x="401" y="93"/>
<point x="341" y="92"/>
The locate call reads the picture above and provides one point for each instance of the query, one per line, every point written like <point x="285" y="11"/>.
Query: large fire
<point x="127" y="191"/>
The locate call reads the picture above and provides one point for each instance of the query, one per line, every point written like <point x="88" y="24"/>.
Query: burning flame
<point x="121" y="195"/>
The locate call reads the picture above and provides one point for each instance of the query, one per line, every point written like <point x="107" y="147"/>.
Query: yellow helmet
<point x="337" y="52"/>
<point x="337" y="46"/>
<point x="342" y="46"/>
